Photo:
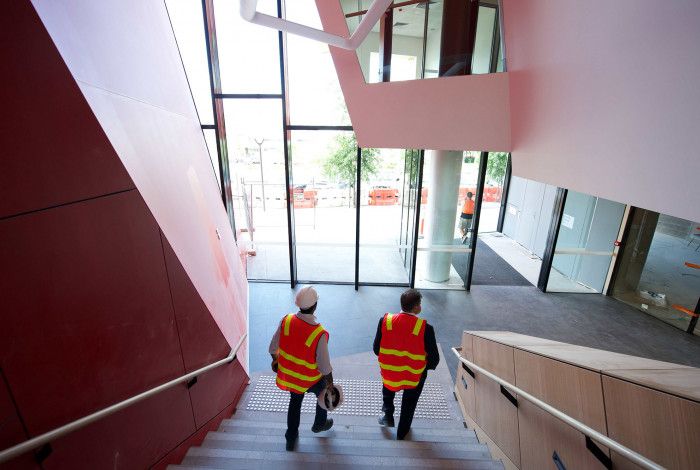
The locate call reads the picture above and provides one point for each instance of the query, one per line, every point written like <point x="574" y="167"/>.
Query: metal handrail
<point x="47" y="437"/>
<point x="588" y="431"/>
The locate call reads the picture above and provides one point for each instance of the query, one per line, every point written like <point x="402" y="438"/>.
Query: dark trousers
<point x="294" y="411"/>
<point x="408" y="406"/>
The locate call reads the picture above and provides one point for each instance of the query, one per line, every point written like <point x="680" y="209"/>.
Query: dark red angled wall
<point x="118" y="269"/>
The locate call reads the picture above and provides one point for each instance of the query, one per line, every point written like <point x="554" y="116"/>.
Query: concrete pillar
<point x="444" y="169"/>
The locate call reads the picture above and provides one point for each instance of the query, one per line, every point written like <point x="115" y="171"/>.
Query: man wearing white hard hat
<point x="299" y="350"/>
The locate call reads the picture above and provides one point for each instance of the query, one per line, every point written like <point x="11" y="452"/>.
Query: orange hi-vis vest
<point x="402" y="351"/>
<point x="297" y="370"/>
<point x="468" y="207"/>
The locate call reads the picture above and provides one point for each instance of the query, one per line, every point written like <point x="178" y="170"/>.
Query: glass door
<point x="585" y="244"/>
<point x="408" y="207"/>
<point x="387" y="213"/>
<point x="323" y="175"/>
<point x="448" y="217"/>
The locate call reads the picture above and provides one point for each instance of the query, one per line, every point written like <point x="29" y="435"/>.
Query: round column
<point x="444" y="169"/>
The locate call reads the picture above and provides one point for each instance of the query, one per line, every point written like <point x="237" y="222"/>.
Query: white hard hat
<point x="306" y="297"/>
<point x="331" y="401"/>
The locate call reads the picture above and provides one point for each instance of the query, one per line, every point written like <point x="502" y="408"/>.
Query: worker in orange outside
<point x="465" y="219"/>
<point x="299" y="350"/>
<point x="407" y="349"/>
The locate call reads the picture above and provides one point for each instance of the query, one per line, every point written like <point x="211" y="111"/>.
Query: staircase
<point x="255" y="440"/>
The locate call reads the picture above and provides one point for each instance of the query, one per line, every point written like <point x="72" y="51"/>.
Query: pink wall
<point x="604" y="98"/>
<point x="598" y="98"/>
<point x="468" y="112"/>
<point x="99" y="301"/>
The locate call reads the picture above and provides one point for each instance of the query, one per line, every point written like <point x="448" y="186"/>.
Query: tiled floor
<point x="588" y="320"/>
<point x="528" y="264"/>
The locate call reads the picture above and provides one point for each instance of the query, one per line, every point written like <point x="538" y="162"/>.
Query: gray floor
<point x="583" y="319"/>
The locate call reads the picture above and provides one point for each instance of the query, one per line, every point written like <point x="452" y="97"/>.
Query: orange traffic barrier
<point x="383" y="196"/>
<point x="692" y="265"/>
<point x="304" y="198"/>
<point x="680" y="308"/>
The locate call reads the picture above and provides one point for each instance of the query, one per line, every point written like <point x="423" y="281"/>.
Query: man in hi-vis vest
<point x="299" y="350"/>
<point x="407" y="349"/>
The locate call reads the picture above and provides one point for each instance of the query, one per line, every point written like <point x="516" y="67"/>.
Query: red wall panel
<point x="92" y="311"/>
<point x="202" y="343"/>
<point x="134" y="438"/>
<point x="120" y="46"/>
<point x="136" y="86"/>
<point x="200" y="337"/>
<point x="11" y="431"/>
<point x="42" y="107"/>
<point x="216" y="390"/>
<point x="87" y="319"/>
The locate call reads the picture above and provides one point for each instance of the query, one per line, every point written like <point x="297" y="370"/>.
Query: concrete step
<point x="348" y="419"/>
<point x="374" y="447"/>
<point x="461" y="435"/>
<point x="229" y="459"/>
<point x="242" y="464"/>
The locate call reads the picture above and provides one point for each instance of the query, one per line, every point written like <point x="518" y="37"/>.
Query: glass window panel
<point x="407" y="42"/>
<point x="256" y="159"/>
<point x="411" y="38"/>
<point x="324" y="175"/>
<point x="485" y="27"/>
<point x="386" y="226"/>
<point x="501" y="61"/>
<point x="493" y="191"/>
<point x="248" y="53"/>
<point x="444" y="239"/>
<point x="315" y="97"/>
<point x="210" y="138"/>
<point x="656" y="270"/>
<point x="585" y="244"/>
<point x="188" y="24"/>
<point x="432" y="45"/>
<point x="352" y="6"/>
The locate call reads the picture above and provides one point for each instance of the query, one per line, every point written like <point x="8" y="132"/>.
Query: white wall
<point x="605" y="100"/>
<point x="529" y="213"/>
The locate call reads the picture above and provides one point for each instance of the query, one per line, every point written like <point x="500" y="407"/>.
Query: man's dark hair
<point x="470" y="194"/>
<point x="310" y="310"/>
<point x="409" y="299"/>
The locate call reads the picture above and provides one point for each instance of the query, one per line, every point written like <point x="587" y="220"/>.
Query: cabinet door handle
<point x="557" y="461"/>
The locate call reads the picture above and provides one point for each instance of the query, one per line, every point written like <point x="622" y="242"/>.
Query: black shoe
<point x="386" y="420"/>
<point x="290" y="444"/>
<point x="325" y="427"/>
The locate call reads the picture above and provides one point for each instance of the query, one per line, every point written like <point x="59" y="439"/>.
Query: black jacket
<point x="431" y="351"/>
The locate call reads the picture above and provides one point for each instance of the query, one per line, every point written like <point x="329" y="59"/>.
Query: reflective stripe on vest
<point x="297" y="368"/>
<point x="402" y="357"/>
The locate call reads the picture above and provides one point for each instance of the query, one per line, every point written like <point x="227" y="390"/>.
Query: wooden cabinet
<point x="575" y="391"/>
<point x="465" y="382"/>
<point x="649" y="406"/>
<point x="658" y="425"/>
<point x="496" y="415"/>
<point x="468" y="345"/>
<point x="541" y="435"/>
<point x="495" y="357"/>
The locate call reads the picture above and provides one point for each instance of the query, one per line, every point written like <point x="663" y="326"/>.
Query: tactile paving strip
<point x="362" y="398"/>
